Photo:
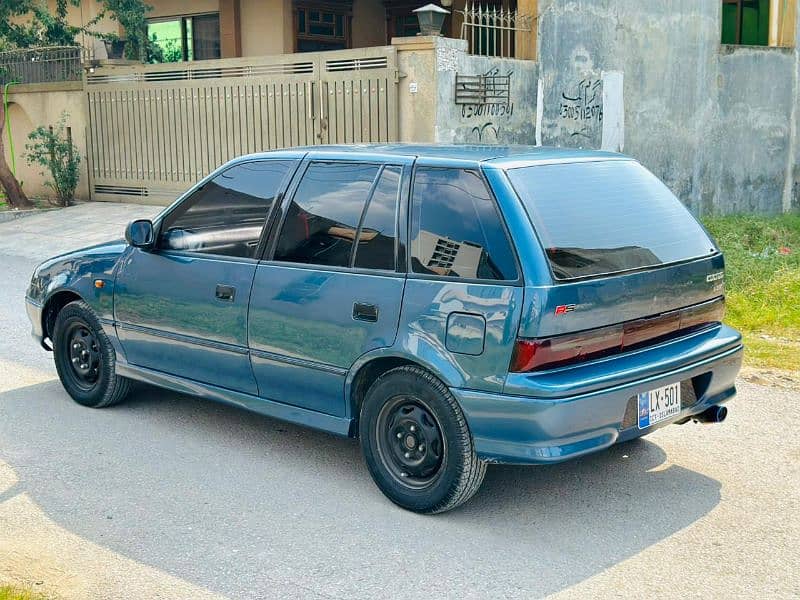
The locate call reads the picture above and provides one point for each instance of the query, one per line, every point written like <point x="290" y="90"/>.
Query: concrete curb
<point x="11" y="215"/>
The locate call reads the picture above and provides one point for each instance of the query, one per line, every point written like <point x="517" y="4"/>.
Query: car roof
<point x="501" y="156"/>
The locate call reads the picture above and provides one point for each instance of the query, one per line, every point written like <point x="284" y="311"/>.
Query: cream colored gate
<point x="156" y="129"/>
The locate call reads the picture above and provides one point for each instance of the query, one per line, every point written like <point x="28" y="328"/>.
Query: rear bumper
<point x="529" y="430"/>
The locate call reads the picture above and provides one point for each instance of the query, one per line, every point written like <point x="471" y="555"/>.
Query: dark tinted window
<point x="323" y="218"/>
<point x="606" y="217"/>
<point x="456" y="229"/>
<point x="376" y="239"/>
<point x="227" y="214"/>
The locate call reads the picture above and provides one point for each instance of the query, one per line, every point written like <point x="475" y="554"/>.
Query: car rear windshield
<point x="604" y="217"/>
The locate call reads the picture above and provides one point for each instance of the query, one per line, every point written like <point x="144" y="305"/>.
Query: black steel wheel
<point x="416" y="442"/>
<point x="410" y="441"/>
<point x="85" y="358"/>
<point x="84" y="354"/>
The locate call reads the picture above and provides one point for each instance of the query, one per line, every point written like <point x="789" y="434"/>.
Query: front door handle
<point x="226" y="292"/>
<point x="365" y="312"/>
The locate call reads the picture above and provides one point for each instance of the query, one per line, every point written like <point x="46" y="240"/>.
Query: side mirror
<point x="139" y="233"/>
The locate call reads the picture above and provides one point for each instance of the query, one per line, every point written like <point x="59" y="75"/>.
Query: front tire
<point x="85" y="358"/>
<point x="417" y="444"/>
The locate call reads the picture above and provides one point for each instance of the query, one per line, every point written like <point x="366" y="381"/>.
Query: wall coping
<point x="50" y="86"/>
<point x="420" y="42"/>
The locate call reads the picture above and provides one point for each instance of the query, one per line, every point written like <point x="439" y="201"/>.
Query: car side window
<point x="456" y="229"/>
<point x="226" y="215"/>
<point x="376" y="238"/>
<point x="322" y="220"/>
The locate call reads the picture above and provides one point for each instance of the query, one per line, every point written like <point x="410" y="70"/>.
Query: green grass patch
<point x="762" y="282"/>
<point x="15" y="593"/>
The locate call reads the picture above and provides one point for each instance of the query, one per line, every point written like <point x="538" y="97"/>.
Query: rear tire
<point x="85" y="358"/>
<point x="417" y="444"/>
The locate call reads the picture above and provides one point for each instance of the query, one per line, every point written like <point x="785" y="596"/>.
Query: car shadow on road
<point x="211" y="493"/>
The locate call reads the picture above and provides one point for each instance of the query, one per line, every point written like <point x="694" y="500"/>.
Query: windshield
<point x="603" y="217"/>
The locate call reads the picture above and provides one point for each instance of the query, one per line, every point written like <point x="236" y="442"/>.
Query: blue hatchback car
<point x="451" y="306"/>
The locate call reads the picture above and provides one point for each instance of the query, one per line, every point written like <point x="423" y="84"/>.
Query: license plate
<point x="659" y="404"/>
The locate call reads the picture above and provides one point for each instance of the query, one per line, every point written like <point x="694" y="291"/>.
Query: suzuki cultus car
<point x="449" y="306"/>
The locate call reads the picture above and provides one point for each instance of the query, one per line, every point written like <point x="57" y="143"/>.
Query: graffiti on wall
<point x="581" y="108"/>
<point x="488" y="133"/>
<point x="485" y="96"/>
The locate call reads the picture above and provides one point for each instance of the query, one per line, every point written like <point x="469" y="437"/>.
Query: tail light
<point x="541" y="353"/>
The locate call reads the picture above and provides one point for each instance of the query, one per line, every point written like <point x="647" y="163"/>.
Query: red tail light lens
<point x="541" y="353"/>
<point x="701" y="315"/>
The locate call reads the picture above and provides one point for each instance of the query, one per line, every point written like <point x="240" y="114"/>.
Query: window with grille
<point x="322" y="28"/>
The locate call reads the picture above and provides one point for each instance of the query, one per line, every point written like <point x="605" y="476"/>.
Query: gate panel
<point x="358" y="83"/>
<point x="156" y="129"/>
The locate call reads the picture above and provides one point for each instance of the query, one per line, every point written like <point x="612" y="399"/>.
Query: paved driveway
<point x="174" y="497"/>
<point x="55" y="231"/>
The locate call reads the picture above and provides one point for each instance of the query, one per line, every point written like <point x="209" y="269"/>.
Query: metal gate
<point x="153" y="130"/>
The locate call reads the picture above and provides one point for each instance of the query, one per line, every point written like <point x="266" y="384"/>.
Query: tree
<point x="46" y="28"/>
<point x="43" y="28"/>
<point x="14" y="195"/>
<point x="132" y="15"/>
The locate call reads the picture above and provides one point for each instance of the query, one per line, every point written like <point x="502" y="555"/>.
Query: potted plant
<point x="115" y="47"/>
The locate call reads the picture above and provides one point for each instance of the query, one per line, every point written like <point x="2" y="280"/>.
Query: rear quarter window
<point x="456" y="229"/>
<point x="605" y="217"/>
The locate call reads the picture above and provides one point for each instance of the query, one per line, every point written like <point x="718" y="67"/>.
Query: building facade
<point x="705" y="94"/>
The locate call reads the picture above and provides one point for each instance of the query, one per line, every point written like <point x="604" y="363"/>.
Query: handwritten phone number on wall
<point x="487" y="110"/>
<point x="579" y="112"/>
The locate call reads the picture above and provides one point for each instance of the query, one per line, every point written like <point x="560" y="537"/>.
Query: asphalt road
<point x="172" y="496"/>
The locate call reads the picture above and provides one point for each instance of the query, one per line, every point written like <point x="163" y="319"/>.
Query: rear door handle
<point x="365" y="312"/>
<point x="226" y="292"/>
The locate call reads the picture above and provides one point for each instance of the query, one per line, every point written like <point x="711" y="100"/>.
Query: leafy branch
<point x="46" y="27"/>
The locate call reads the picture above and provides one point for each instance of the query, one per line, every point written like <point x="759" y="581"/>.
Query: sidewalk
<point x="52" y="232"/>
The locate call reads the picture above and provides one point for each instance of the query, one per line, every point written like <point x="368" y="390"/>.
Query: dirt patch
<point x="789" y="380"/>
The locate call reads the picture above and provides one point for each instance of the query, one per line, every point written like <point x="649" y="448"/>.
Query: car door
<point x="181" y="307"/>
<point x="331" y="288"/>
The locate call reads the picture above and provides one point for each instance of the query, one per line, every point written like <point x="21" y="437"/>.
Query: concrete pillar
<point x="230" y="30"/>
<point x="416" y="58"/>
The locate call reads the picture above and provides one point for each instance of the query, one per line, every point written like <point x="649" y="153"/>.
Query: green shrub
<point x="52" y="148"/>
